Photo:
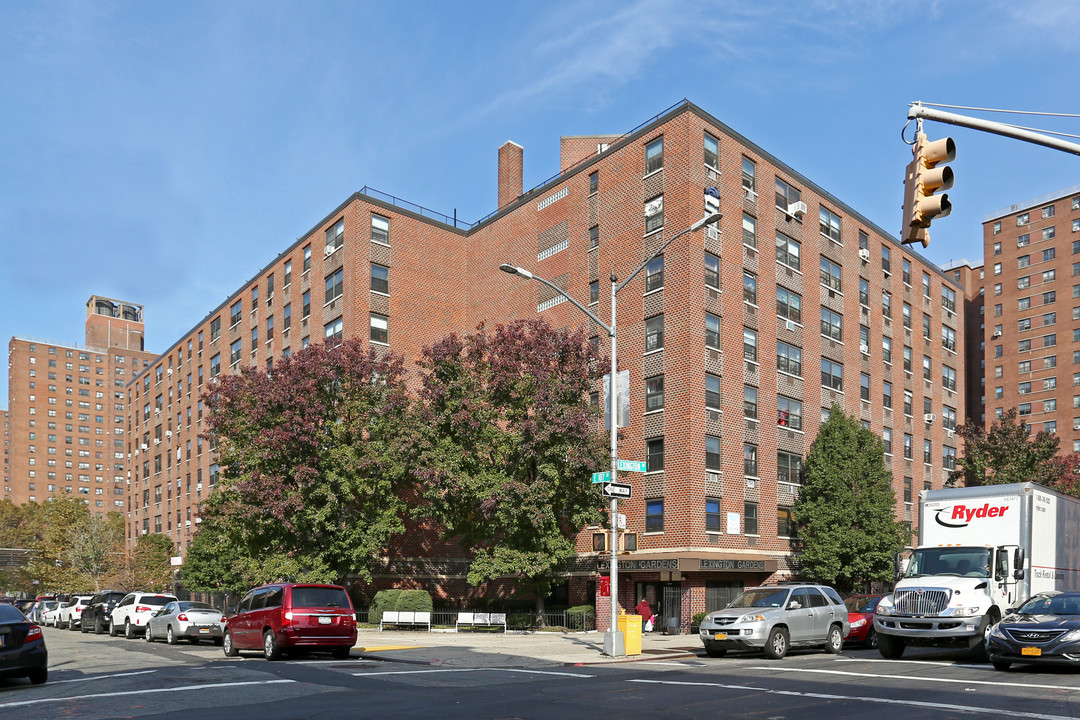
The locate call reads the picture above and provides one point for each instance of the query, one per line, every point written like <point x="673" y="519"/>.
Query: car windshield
<point x="319" y="597"/>
<point x="155" y="600"/>
<point x="763" y="597"/>
<point x="861" y="603"/>
<point x="1064" y="604"/>
<point x="957" y="561"/>
<point x="11" y="614"/>
<point x="195" y="606"/>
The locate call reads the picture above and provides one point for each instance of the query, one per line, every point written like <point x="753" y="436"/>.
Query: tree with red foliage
<point x="314" y="461"/>
<point x="509" y="443"/>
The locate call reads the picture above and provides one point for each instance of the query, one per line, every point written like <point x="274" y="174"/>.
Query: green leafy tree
<point x="314" y="462"/>
<point x="1006" y="454"/>
<point x="844" y="514"/>
<point x="60" y="519"/>
<point x="94" y="546"/>
<point x="152" y="562"/>
<point x="509" y="444"/>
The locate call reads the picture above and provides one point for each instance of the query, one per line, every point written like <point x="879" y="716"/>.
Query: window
<point x="886" y="259"/>
<point x="788" y="359"/>
<point x="654" y="393"/>
<point x="907" y="446"/>
<point x="1049" y="297"/>
<point x="332" y="332"/>
<point x="886" y="349"/>
<point x="712" y="392"/>
<point x="654" y="214"/>
<point x="594" y="292"/>
<point x="785" y="522"/>
<point x="594" y="182"/>
<point x="380" y="230"/>
<point x="832" y="374"/>
<point x="654" y="333"/>
<point x="594" y="236"/>
<point x="1021" y="219"/>
<point x="788" y="468"/>
<point x="1048" y="212"/>
<point x="215" y="367"/>
<point x="948" y="338"/>
<point x="654" y="455"/>
<point x="335" y="285"/>
<point x="235" y="313"/>
<point x="654" y="155"/>
<point x="830" y="274"/>
<point x="215" y="329"/>
<point x="1049" y="253"/>
<point x="749" y="179"/>
<point x="786" y="195"/>
<point x="750" y="518"/>
<point x="907" y="402"/>
<point x="905" y="271"/>
<point x="864" y="292"/>
<point x="905" y="313"/>
<point x="926" y="368"/>
<point x="750" y="345"/>
<point x="864" y="386"/>
<point x="654" y="274"/>
<point x="926" y="326"/>
<point x="926" y="286"/>
<point x="750" y="465"/>
<point x="832" y="324"/>
<point x="307" y="304"/>
<point x="1023" y="303"/>
<point x="948" y="298"/>
<point x="788" y="413"/>
<point x="750" y="402"/>
<point x="886" y="303"/>
<point x="288" y="273"/>
<point x="1049" y="275"/>
<point x="712" y="452"/>
<point x="286" y="322"/>
<point x="948" y="377"/>
<point x="380" y="332"/>
<point x="712" y="331"/>
<point x="788" y="304"/>
<point x="380" y="279"/>
<point x="749" y="283"/>
<point x="712" y="515"/>
<point x="712" y="271"/>
<point x="886" y="439"/>
<point x="886" y="394"/>
<point x="712" y="151"/>
<point x="654" y="516"/>
<point x="749" y="231"/>
<point x="948" y="457"/>
<point x="787" y="251"/>
<point x="829" y="224"/>
<point x="335" y="236"/>
<point x="307" y="258"/>
<point x="235" y="350"/>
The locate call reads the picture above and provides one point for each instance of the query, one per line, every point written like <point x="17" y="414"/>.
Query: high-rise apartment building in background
<point x="739" y="340"/>
<point x="66" y="421"/>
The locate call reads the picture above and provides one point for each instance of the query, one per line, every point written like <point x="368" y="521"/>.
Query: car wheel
<point x="170" y="637"/>
<point x="112" y="629"/>
<point x="227" y="645"/>
<point x="270" y="646"/>
<point x="1001" y="664"/>
<point x="129" y="629"/>
<point x="82" y="626"/>
<point x="149" y="635"/>
<point x="834" y="641"/>
<point x="776" y="646"/>
<point x="871" y="639"/>
<point x="715" y="652"/>
<point x="341" y="653"/>
<point x="71" y="625"/>
<point x="38" y="676"/>
<point x="890" y="647"/>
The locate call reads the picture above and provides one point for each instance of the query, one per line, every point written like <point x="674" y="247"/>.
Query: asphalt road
<point x="100" y="677"/>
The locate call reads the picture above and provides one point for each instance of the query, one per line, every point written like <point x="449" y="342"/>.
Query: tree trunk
<point x="540" y="610"/>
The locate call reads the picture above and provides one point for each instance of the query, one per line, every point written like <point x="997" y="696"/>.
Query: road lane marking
<point x="911" y="662"/>
<point x="384" y="648"/>
<point x="543" y="672"/>
<point x="100" y="677"/>
<point x="461" y="670"/>
<point x="914" y="677"/>
<point x="151" y="691"/>
<point x="971" y="709"/>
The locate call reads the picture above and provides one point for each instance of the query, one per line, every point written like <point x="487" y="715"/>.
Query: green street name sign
<point x="601" y="477"/>
<point x="631" y="466"/>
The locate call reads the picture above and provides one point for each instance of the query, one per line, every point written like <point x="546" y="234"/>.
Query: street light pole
<point x="614" y="642"/>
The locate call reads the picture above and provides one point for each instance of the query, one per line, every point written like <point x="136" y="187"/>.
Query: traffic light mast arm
<point x="918" y="111"/>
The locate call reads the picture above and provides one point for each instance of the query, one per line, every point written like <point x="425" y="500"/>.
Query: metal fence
<point x="519" y="620"/>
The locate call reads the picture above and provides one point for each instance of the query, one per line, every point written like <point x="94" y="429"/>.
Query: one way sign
<point x="616" y="490"/>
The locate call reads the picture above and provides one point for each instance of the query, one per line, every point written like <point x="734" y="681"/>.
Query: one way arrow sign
<point x="616" y="490"/>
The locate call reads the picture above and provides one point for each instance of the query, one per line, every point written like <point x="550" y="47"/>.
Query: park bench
<point x="399" y="618"/>
<point x="471" y="619"/>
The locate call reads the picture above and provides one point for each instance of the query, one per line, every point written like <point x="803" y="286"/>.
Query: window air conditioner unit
<point x="751" y="195"/>
<point x="996" y="335"/>
<point x="170" y="371"/>
<point x="948" y="432"/>
<point x="654" y="207"/>
<point x="790" y="324"/>
<point x="864" y="349"/>
<point x="864" y="254"/>
<point x="157" y="441"/>
<point x="712" y="233"/>
<point x="168" y="433"/>
<point x="929" y="418"/>
<point x="797" y="209"/>
<point x="198" y="486"/>
<point x="145" y="446"/>
<point x="329" y="250"/>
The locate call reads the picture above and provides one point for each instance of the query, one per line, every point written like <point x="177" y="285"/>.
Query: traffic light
<point x="921" y="180"/>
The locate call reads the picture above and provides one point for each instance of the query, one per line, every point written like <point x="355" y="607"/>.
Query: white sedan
<point x="51" y="616"/>
<point x="193" y="621"/>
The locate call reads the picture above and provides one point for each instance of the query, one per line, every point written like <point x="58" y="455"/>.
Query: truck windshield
<point x="957" y="561"/>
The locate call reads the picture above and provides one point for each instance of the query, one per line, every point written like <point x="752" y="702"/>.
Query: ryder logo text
<point x="961" y="515"/>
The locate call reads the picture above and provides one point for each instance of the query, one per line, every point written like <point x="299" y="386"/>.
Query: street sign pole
<point x="614" y="643"/>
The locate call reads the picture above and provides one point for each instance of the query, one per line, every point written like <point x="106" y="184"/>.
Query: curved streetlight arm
<point x="513" y="270"/>
<point x="707" y="220"/>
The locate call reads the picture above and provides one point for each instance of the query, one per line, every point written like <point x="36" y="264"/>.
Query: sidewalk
<point x="512" y="649"/>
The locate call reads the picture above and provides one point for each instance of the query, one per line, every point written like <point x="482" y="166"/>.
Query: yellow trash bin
<point x="630" y="627"/>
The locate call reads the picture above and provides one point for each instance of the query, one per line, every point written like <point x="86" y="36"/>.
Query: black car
<point x="1045" y="629"/>
<point x="98" y="613"/>
<point x="22" y="647"/>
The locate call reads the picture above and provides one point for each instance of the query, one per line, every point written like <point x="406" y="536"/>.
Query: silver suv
<point x="777" y="618"/>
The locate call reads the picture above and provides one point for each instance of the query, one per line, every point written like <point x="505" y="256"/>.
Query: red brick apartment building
<point x="66" y="420"/>
<point x="1030" y="344"/>
<point x="737" y="342"/>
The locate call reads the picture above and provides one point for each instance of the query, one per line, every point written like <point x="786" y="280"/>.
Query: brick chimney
<point x="510" y="172"/>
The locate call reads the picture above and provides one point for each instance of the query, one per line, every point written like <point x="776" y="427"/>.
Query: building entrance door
<point x="665" y="601"/>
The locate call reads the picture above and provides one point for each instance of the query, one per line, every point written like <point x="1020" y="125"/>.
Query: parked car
<point x="133" y="612"/>
<point x="51" y="617"/>
<point x="777" y="618"/>
<point x="37" y="611"/>
<point x="1044" y="629"/>
<point x="861" y="619"/>
<point x="292" y="616"/>
<point x="22" y="647"/>
<point x="71" y="615"/>
<point x="192" y="621"/>
<point x="24" y="606"/>
<point x="98" y="613"/>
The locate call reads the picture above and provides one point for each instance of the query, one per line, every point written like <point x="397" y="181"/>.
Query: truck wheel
<point x="890" y="647"/>
<point x="834" y="641"/>
<point x="776" y="646"/>
<point x="978" y="651"/>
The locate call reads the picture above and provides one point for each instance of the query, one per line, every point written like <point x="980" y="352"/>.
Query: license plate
<point x="720" y="636"/>
<point x="204" y="630"/>
<point x="325" y="620"/>
<point x="1031" y="651"/>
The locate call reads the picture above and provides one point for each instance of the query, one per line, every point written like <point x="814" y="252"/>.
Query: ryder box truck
<point x="981" y="551"/>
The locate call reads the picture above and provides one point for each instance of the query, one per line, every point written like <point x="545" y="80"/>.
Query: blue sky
<point x="162" y="152"/>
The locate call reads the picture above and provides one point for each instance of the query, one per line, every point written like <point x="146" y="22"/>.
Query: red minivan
<point x="286" y="616"/>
